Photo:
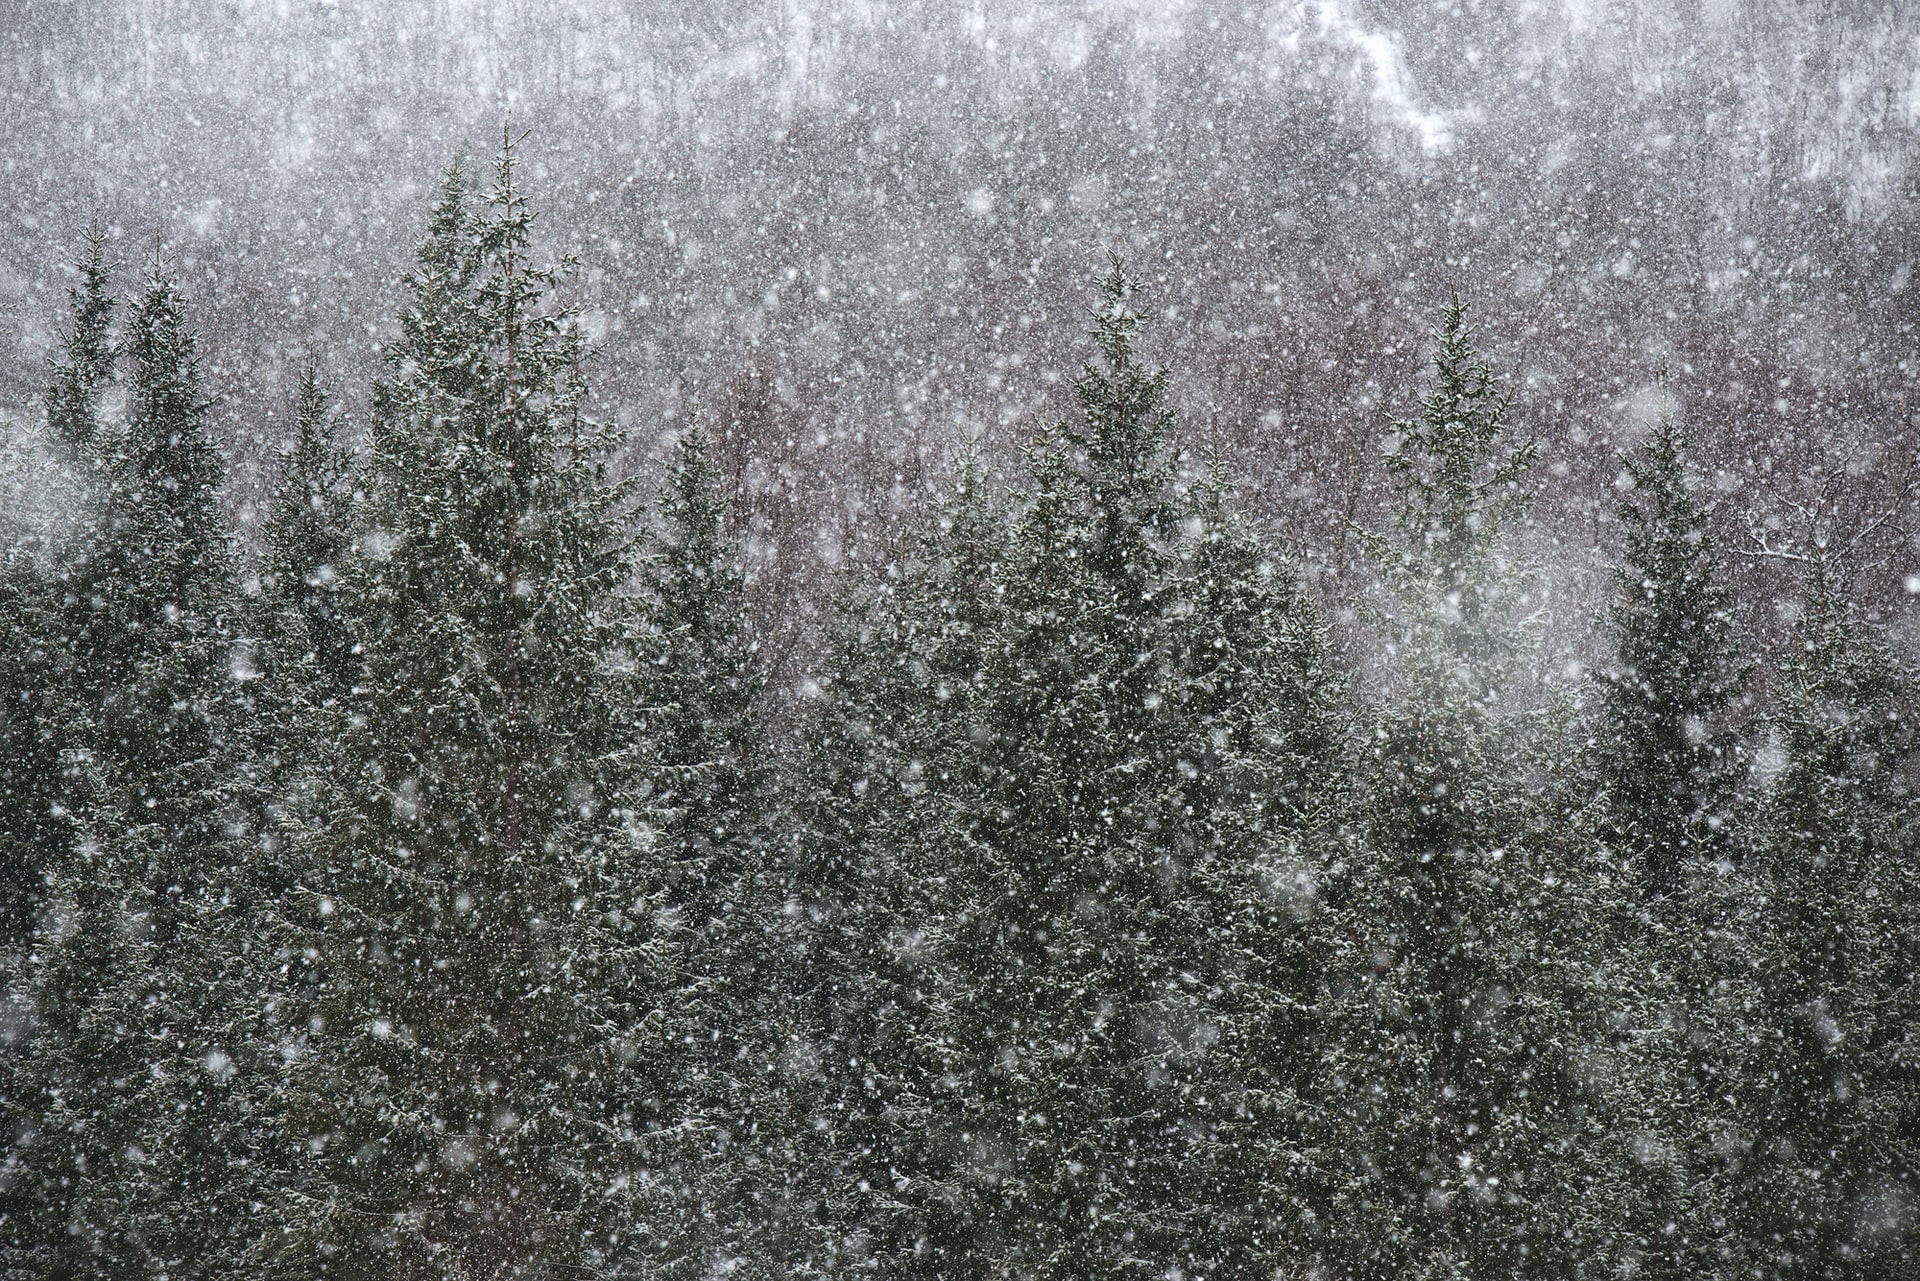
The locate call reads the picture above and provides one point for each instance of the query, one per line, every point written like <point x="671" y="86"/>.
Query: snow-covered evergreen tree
<point x="148" y="732"/>
<point x="1825" y="1127"/>
<point x="918" y="695"/>
<point x="477" y="1065"/>
<point x="88" y="1180"/>
<point x="1665" y="765"/>
<point x="85" y="366"/>
<point x="1269" y="760"/>
<point x="298" y="652"/>
<point x="309" y="531"/>
<point x="1460" y="1039"/>
<point x="46" y="595"/>
<point x="1105" y="789"/>
<point x="1669" y="763"/>
<point x="159" y="641"/>
<point x="839" y="1111"/>
<point x="698" y="682"/>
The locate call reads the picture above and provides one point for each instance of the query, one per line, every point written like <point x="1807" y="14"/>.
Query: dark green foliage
<point x="85" y="365"/>
<point x="436" y="903"/>
<point x="1459" y="478"/>
<point x="845" y="1108"/>
<point x="32" y="718"/>
<point x="697" y="683"/>
<point x="1668" y="762"/>
<point x="48" y="582"/>
<point x="1457" y="1036"/>
<point x="156" y="643"/>
<point x="478" y="1073"/>
<point x="1828" y="1103"/>
<point x="309" y="533"/>
<point x="1667" y="766"/>
<point x="93" y="1126"/>
<point x="139" y="1007"/>
<point x="1112" y="777"/>
<point x="1066" y="927"/>
<point x="1269" y="761"/>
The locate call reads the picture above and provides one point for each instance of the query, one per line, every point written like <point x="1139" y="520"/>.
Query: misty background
<point x="856" y="235"/>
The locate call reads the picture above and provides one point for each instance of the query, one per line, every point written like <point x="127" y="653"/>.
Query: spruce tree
<point x="697" y="682"/>
<point x="1669" y="765"/>
<point x="698" y="685"/>
<point x="844" y="1106"/>
<point x="1459" y="1036"/>
<point x="309" y="532"/>
<point x="31" y="719"/>
<point x="46" y="592"/>
<point x="148" y="755"/>
<point x="1073" y="935"/>
<point x="1828" y="1105"/>
<point x="85" y="365"/>
<point x="168" y="745"/>
<point x="299" y="651"/>
<point x="478" y="1076"/>
<point x="921" y="694"/>
<point x="1666" y="768"/>
<point x="158" y="643"/>
<point x="1269" y="762"/>
<point x="881" y="800"/>
<point x="88" y="1188"/>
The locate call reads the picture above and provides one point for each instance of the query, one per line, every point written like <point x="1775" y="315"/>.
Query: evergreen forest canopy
<point x="434" y="892"/>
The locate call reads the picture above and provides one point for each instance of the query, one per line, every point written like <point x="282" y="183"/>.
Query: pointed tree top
<point x="86" y="361"/>
<point x="1120" y="311"/>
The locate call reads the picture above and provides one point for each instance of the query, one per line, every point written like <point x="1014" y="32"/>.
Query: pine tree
<point x="1072" y="933"/>
<point x="1669" y="766"/>
<point x="89" y="1187"/>
<point x="478" y="1078"/>
<point x="1269" y="763"/>
<point x="158" y="643"/>
<point x="1666" y="769"/>
<point x="309" y="531"/>
<point x="1459" y="1038"/>
<point x="147" y="730"/>
<point x="698" y="683"/>
<point x="86" y="365"/>
<point x="1827" y="1098"/>
<point x="46" y="590"/>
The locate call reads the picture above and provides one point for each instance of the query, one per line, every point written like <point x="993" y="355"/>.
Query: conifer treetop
<point x="165" y="424"/>
<point x="77" y="378"/>
<point x="1125" y="422"/>
<point x="1120" y="442"/>
<point x="316" y="464"/>
<point x="1453" y="464"/>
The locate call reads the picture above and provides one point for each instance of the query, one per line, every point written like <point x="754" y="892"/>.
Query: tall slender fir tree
<point x="1828" y="1105"/>
<point x="479" y="1072"/>
<point x="47" y="584"/>
<point x="1670" y="765"/>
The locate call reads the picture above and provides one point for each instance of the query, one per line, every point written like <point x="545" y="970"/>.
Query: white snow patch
<point x="1379" y="51"/>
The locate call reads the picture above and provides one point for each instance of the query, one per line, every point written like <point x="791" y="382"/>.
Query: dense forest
<point x="844" y="224"/>
<point x="436" y="882"/>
